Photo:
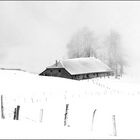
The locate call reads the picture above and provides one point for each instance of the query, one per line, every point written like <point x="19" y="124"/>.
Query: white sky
<point x="34" y="34"/>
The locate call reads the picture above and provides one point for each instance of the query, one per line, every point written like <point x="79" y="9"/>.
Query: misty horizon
<point x="35" y="34"/>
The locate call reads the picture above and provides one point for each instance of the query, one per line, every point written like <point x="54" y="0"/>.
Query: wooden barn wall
<point x="61" y="72"/>
<point x="58" y="72"/>
<point x="90" y="75"/>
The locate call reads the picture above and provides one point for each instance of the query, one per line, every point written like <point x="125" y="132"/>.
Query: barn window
<point x="50" y="70"/>
<point x="59" y="70"/>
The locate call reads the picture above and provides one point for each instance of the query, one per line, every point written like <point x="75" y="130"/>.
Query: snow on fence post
<point x="41" y="115"/>
<point x="93" y="119"/>
<point x="66" y="115"/>
<point x="2" y="108"/>
<point x="114" y="125"/>
<point x="17" y="112"/>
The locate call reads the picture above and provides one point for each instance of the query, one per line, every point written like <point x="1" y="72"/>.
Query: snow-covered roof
<point x="82" y="65"/>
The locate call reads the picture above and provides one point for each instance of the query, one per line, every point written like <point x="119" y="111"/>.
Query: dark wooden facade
<point x="56" y="72"/>
<point x="62" y="72"/>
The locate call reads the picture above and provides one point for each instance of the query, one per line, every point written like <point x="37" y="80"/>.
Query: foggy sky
<point x="34" y="34"/>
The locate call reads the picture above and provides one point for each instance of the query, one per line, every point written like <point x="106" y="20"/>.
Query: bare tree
<point x="115" y="53"/>
<point x="82" y="44"/>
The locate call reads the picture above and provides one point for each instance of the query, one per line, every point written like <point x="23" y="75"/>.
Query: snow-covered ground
<point x="43" y="102"/>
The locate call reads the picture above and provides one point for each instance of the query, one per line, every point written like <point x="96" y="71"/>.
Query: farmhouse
<point x="78" y="69"/>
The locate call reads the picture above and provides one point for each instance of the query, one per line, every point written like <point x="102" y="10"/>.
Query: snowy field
<point x="92" y="106"/>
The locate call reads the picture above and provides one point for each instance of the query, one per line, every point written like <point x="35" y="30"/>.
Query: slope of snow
<point x="43" y="101"/>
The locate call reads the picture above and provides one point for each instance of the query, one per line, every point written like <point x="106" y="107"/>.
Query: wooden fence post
<point x="93" y="119"/>
<point x="41" y="115"/>
<point x="114" y="125"/>
<point x="2" y="108"/>
<point x="17" y="112"/>
<point x="66" y="115"/>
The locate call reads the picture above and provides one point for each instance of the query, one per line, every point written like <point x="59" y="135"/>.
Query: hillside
<point x="43" y="102"/>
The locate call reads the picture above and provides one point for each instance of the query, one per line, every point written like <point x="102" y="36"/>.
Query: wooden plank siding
<point x="61" y="72"/>
<point x="90" y="75"/>
<point x="57" y="72"/>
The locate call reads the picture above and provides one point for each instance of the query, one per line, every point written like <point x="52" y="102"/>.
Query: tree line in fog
<point x="84" y="43"/>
